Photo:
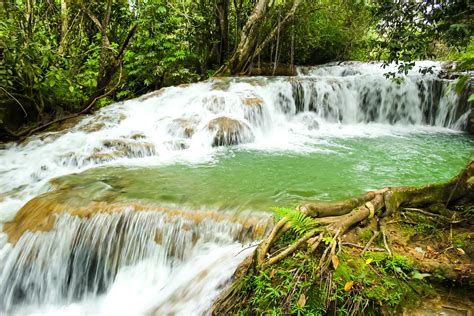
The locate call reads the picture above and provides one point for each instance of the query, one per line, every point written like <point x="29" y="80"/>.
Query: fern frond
<point x="300" y="223"/>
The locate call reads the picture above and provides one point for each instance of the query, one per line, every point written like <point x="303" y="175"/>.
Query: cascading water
<point x="131" y="254"/>
<point x="89" y="265"/>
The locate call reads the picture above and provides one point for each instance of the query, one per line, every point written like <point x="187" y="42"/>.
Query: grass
<point x="370" y="284"/>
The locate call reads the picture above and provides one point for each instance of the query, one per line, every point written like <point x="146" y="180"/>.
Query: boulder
<point x="253" y="109"/>
<point x="183" y="127"/>
<point x="228" y="131"/>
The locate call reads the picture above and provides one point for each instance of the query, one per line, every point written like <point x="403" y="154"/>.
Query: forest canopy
<point x="63" y="57"/>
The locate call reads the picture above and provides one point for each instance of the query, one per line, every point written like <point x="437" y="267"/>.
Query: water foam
<point x="79" y="267"/>
<point x="283" y="114"/>
<point x="130" y="262"/>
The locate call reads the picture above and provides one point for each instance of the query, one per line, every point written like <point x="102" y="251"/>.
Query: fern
<point x="300" y="223"/>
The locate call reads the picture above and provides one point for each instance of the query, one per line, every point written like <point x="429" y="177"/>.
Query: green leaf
<point x="461" y="83"/>
<point x="471" y="98"/>
<point x="299" y="222"/>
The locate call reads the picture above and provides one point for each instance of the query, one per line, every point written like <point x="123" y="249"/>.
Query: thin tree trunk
<point x="248" y="38"/>
<point x="222" y="22"/>
<point x="64" y="27"/>
<point x="105" y="49"/>
<point x="288" y="18"/>
<point x="248" y="47"/>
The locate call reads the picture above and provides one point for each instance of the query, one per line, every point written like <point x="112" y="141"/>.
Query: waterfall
<point x="360" y="93"/>
<point x="146" y="263"/>
<point x="186" y="123"/>
<point x="81" y="258"/>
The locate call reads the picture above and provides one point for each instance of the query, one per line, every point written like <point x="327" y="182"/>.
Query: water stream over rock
<point x="232" y="145"/>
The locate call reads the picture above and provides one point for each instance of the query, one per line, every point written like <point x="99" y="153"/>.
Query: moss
<point x="366" y="284"/>
<point x="463" y="239"/>
<point x="365" y="234"/>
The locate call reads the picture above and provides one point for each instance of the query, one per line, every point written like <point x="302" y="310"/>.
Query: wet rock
<point x="82" y="196"/>
<point x="220" y="83"/>
<point x="183" y="127"/>
<point x="309" y="120"/>
<point x="137" y="136"/>
<point x="176" y="144"/>
<point x="214" y="103"/>
<point x="253" y="109"/>
<point x="229" y="131"/>
<point x="253" y="101"/>
<point x="99" y="157"/>
<point x="94" y="127"/>
<point x="68" y="123"/>
<point x="111" y="150"/>
<point x="100" y="122"/>
<point x="129" y="148"/>
<point x="156" y="93"/>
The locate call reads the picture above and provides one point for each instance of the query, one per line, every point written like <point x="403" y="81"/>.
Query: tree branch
<point x="288" y="17"/>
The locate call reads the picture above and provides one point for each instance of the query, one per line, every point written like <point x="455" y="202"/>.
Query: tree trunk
<point x="222" y="23"/>
<point x="279" y="27"/>
<point x="240" y="60"/>
<point x="248" y="47"/>
<point x="64" y="26"/>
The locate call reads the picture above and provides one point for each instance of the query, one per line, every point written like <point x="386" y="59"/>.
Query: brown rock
<point x="229" y="131"/>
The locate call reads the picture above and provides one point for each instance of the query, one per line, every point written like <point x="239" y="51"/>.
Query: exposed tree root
<point x="334" y="220"/>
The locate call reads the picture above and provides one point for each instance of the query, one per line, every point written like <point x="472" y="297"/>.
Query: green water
<point x="249" y="179"/>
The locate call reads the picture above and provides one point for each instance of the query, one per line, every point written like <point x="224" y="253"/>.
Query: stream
<point x="232" y="146"/>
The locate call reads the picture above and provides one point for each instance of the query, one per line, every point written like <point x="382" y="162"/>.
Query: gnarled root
<point x="334" y="220"/>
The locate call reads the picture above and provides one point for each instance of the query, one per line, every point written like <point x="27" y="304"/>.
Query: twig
<point x="443" y="218"/>
<point x="290" y="249"/>
<point x="373" y="249"/>
<point x="371" y="240"/>
<point x="26" y="114"/>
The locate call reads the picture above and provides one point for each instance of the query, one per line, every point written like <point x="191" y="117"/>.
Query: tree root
<point x="369" y="243"/>
<point x="334" y="220"/>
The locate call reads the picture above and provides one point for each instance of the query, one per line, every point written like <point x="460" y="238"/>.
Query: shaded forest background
<point x="61" y="58"/>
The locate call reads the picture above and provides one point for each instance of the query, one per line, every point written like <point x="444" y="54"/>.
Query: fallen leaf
<point x="348" y="286"/>
<point x="273" y="273"/>
<point x="335" y="261"/>
<point x="461" y="251"/>
<point x="369" y="261"/>
<point x="302" y="300"/>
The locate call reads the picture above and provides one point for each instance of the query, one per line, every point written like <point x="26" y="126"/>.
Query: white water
<point x="68" y="269"/>
<point x="293" y="114"/>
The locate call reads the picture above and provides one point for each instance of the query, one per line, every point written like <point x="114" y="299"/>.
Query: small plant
<point x="300" y="223"/>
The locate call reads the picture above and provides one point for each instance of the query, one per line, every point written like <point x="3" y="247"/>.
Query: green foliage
<point x="299" y="222"/>
<point x="57" y="69"/>
<point x="425" y="228"/>
<point x="358" y="286"/>
<point x="326" y="31"/>
<point x="277" y="291"/>
<point x="416" y="30"/>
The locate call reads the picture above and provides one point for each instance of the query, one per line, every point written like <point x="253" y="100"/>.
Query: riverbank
<point x="385" y="264"/>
